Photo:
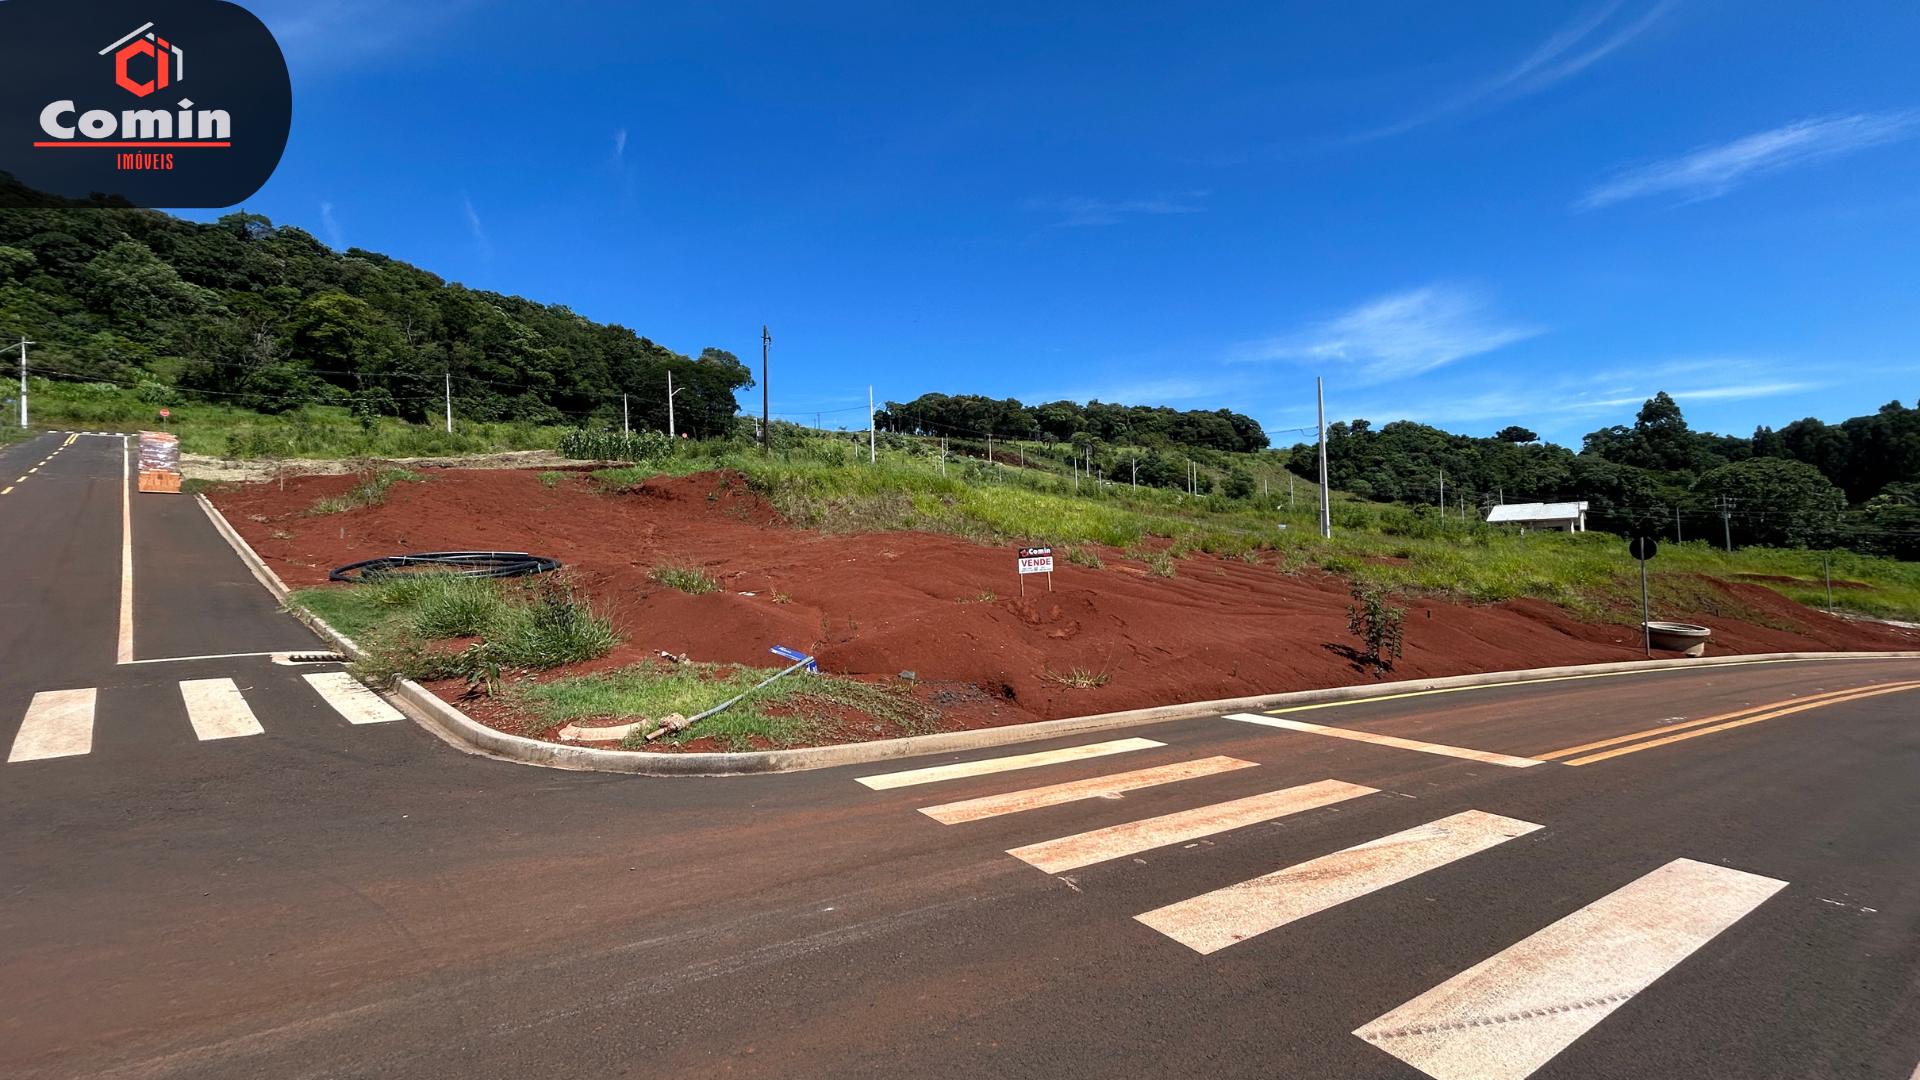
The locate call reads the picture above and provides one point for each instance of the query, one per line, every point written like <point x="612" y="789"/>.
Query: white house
<point x="1564" y="516"/>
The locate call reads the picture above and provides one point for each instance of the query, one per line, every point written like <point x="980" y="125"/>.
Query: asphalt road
<point x="311" y="897"/>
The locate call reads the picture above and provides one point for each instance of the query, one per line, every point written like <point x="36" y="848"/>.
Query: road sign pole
<point x="1646" y="631"/>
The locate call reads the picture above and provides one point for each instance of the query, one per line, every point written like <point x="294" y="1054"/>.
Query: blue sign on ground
<point x="796" y="656"/>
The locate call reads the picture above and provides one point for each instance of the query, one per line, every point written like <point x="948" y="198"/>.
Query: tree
<point x="1238" y="486"/>
<point x="1775" y="502"/>
<point x="1516" y="434"/>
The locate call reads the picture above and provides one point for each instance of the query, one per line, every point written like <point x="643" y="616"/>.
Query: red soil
<point x="877" y="604"/>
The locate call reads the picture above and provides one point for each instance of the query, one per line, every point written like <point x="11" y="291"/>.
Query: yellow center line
<point x="1735" y="714"/>
<point x="1876" y="692"/>
<point x="6" y="489"/>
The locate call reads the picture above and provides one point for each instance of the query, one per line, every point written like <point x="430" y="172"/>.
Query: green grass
<point x="688" y="579"/>
<point x="370" y="491"/>
<point x="552" y="478"/>
<point x="316" y="431"/>
<point x="529" y="624"/>
<point x="797" y="709"/>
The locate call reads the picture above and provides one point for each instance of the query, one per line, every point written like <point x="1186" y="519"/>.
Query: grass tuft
<point x="1079" y="678"/>
<point x="688" y="579"/>
<point x="370" y="491"/>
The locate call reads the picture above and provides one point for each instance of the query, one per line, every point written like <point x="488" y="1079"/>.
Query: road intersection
<point x="251" y="871"/>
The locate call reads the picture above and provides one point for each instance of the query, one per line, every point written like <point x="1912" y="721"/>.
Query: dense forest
<point x="975" y="417"/>
<point x="268" y="318"/>
<point x="1809" y="484"/>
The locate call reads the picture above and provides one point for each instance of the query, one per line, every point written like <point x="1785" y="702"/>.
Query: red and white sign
<point x="1036" y="560"/>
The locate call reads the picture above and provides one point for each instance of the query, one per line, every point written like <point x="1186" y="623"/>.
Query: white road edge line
<point x="1511" y="1013"/>
<point x="936" y="773"/>
<point x="1100" y="787"/>
<point x="219" y="656"/>
<point x="352" y="699"/>
<point x="1485" y="756"/>
<point x="1212" y="921"/>
<point x="1133" y="837"/>
<point x="59" y="723"/>
<point x="125" y="654"/>
<point x="216" y="710"/>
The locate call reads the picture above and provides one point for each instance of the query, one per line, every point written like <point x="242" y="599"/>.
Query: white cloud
<point x="620" y="146"/>
<point x="1083" y="210"/>
<point x="1398" y="335"/>
<point x="1573" y="48"/>
<point x="481" y="242"/>
<point x="333" y="227"/>
<point x="1712" y="171"/>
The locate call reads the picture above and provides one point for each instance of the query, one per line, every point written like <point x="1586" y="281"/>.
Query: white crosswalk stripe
<point x="217" y="711"/>
<point x="1117" y="841"/>
<point x="1513" y="1012"/>
<point x="351" y="698"/>
<point x="1212" y="921"/>
<point x="989" y="766"/>
<point x="59" y="723"/>
<point x="1099" y="787"/>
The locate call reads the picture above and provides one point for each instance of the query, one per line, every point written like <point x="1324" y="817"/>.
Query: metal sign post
<point x="1644" y="548"/>
<point x="1035" y="560"/>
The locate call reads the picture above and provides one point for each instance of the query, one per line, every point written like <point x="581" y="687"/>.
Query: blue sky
<point x="1465" y="214"/>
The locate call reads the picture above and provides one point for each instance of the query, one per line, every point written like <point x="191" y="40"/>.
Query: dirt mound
<point x="953" y="612"/>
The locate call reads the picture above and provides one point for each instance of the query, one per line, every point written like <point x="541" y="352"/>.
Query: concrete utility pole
<point x="1676" y="525"/>
<point x="449" y="401"/>
<point x="766" y="419"/>
<point x="625" y="427"/>
<point x="1726" y="521"/>
<point x="1326" y="503"/>
<point x="1443" y="496"/>
<point x="873" y="444"/>
<point x="1136" y="472"/>
<point x="671" y="433"/>
<point x="23" y="376"/>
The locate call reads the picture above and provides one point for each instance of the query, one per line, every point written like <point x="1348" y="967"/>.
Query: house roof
<point x="1560" y="511"/>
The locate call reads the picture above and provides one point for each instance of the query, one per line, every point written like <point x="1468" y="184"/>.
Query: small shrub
<point x="1379" y="626"/>
<point x="687" y="579"/>
<point x="552" y="478"/>
<point x="1159" y="564"/>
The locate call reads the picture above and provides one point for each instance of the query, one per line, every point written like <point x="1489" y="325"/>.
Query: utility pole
<point x="766" y="419"/>
<point x="23" y="375"/>
<point x="1676" y="525"/>
<point x="1136" y="471"/>
<point x="873" y="445"/>
<point x="449" y="401"/>
<point x="625" y="427"/>
<point x="671" y="433"/>
<point x="1726" y="521"/>
<point x="1826" y="571"/>
<point x="1443" y="496"/>
<point x="1326" y="503"/>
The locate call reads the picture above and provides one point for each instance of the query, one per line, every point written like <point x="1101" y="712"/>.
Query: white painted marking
<point x="1486" y="756"/>
<point x="125" y="650"/>
<point x="1100" y="787"/>
<point x="218" y="656"/>
<point x="59" y="723"/>
<point x="1511" y="1013"/>
<point x="216" y="709"/>
<point x="1212" y="921"/>
<point x="1116" y="841"/>
<point x="351" y="698"/>
<point x="1003" y="764"/>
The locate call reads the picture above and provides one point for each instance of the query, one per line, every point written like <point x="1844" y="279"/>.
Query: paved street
<point x="216" y="861"/>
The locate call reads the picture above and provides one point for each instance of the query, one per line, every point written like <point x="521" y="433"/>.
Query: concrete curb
<point x="470" y="735"/>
